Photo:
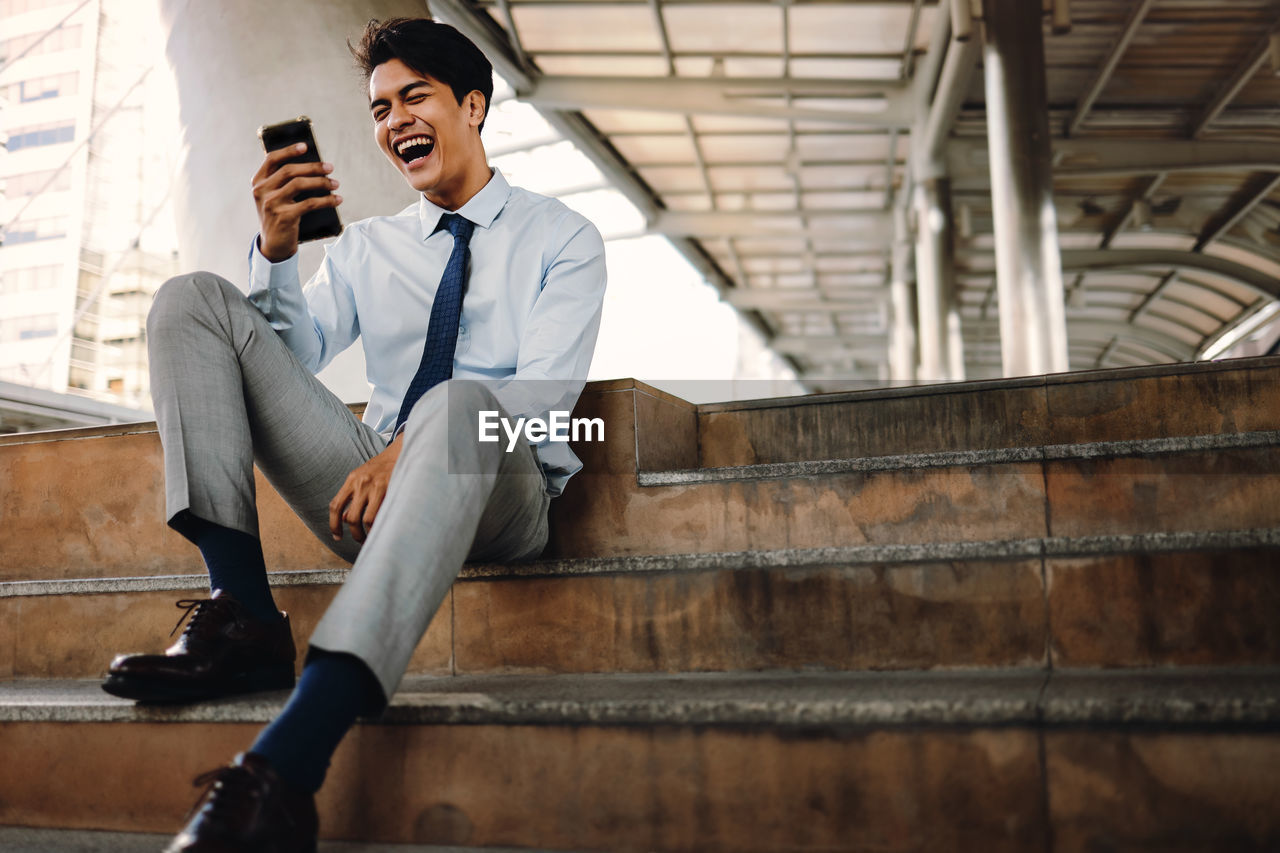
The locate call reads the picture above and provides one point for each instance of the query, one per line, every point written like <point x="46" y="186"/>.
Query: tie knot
<point x="459" y="226"/>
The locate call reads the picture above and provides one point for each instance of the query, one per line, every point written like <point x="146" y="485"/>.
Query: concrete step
<point x="90" y="502"/>
<point x="99" y="515"/>
<point x="999" y="761"/>
<point x="1146" y="600"/>
<point x="1237" y="395"/>
<point x="1214" y="481"/>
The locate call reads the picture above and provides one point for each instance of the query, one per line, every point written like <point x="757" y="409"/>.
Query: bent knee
<point x="185" y="294"/>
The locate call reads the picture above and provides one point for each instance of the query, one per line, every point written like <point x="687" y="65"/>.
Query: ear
<point x="475" y="107"/>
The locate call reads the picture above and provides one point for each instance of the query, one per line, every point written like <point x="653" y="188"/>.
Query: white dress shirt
<point x="530" y="314"/>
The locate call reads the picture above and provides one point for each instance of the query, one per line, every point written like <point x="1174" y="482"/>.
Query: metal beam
<point x="1235" y="213"/>
<point x="804" y="300"/>
<point x="871" y="227"/>
<point x="909" y="43"/>
<point x="869" y="103"/>
<point x="1090" y="260"/>
<point x="1148" y="192"/>
<point x="838" y="346"/>
<point x="867" y="347"/>
<point x="1103" y="330"/>
<point x="1092" y="157"/>
<point x="953" y="84"/>
<point x="1227" y="220"/>
<point x="1253" y="60"/>
<point x="1086" y="102"/>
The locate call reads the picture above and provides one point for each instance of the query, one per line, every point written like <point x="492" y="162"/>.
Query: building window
<point x="28" y="328"/>
<point x="25" y="279"/>
<point x="17" y="7"/>
<point x="30" y="230"/>
<point x="36" y="135"/>
<point x="43" y="88"/>
<point x="30" y="183"/>
<point x="63" y="38"/>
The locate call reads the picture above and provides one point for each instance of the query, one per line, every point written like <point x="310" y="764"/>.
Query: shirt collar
<point x="481" y="209"/>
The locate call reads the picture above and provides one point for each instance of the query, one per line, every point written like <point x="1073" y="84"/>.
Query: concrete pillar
<point x="936" y="280"/>
<point x="902" y="331"/>
<point x="1033" y="328"/>
<point x="238" y="65"/>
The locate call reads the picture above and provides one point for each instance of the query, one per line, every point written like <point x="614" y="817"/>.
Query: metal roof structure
<point x="776" y="144"/>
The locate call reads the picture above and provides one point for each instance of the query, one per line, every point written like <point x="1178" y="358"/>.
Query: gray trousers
<point x="228" y="392"/>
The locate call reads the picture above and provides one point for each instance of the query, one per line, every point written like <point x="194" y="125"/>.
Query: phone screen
<point x="315" y="224"/>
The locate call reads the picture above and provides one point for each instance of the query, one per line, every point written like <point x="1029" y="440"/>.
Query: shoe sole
<point x="279" y="677"/>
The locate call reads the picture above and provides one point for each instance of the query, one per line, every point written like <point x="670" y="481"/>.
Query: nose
<point x="398" y="117"/>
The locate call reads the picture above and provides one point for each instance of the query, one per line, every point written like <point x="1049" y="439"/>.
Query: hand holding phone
<point x="293" y="191"/>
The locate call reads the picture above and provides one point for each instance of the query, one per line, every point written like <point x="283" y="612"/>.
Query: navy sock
<point x="236" y="566"/>
<point x="334" y="690"/>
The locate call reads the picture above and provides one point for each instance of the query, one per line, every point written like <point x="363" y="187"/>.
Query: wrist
<point x="275" y="253"/>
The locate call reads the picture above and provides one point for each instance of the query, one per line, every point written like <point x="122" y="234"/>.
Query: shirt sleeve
<point x="315" y="323"/>
<point x="559" y="338"/>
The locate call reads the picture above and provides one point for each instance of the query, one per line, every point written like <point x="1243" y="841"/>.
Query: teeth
<point x="413" y="140"/>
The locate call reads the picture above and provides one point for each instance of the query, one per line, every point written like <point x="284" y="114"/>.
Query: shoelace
<point x="228" y="791"/>
<point x="196" y="608"/>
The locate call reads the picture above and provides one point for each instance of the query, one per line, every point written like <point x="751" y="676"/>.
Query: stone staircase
<point x="1031" y="614"/>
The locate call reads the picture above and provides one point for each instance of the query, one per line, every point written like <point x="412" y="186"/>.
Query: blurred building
<point x="87" y="231"/>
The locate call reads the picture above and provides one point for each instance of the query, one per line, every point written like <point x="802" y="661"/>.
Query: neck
<point x="470" y="182"/>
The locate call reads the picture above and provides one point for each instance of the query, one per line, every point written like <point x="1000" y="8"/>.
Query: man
<point x="408" y="494"/>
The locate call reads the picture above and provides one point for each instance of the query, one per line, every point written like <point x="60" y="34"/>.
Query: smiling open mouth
<point x="414" y="148"/>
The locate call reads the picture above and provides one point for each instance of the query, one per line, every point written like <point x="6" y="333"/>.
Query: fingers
<point x="354" y="517"/>
<point x="291" y="180"/>
<point x="274" y="160"/>
<point x="371" y="510"/>
<point x="284" y="203"/>
<point x="363" y="508"/>
<point x="357" y="504"/>
<point x="336" y="506"/>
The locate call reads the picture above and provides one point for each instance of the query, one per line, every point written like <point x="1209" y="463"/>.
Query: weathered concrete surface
<point x="90" y="502"/>
<point x="1198" y="490"/>
<point x="1112" y="601"/>
<point x="573" y="787"/>
<point x="1130" y="791"/>
<point x="1161" y="609"/>
<point x="76" y="636"/>
<point x="1185" y="698"/>
<point x="609" y="515"/>
<point x="90" y="507"/>
<point x="833" y="618"/>
<point x="889" y="761"/>
<point x="1110" y="405"/>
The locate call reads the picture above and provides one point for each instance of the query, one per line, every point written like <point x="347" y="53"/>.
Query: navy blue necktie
<point x="446" y="309"/>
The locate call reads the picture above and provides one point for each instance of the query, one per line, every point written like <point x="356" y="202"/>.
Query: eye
<point x="379" y="114"/>
<point x="416" y="98"/>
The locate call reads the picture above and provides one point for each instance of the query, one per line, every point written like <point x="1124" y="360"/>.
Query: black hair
<point x="429" y="48"/>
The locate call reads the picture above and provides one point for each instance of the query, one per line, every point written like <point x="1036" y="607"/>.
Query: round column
<point x="1033" y="327"/>
<point x="240" y="64"/>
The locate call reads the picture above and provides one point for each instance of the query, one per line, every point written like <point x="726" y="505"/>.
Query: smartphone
<point x="315" y="224"/>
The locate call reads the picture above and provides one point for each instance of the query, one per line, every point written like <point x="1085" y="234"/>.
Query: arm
<point x="315" y="324"/>
<point x="320" y="324"/>
<point x="559" y="337"/>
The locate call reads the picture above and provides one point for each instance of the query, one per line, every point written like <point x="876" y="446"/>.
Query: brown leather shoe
<point x="223" y="650"/>
<point x="247" y="808"/>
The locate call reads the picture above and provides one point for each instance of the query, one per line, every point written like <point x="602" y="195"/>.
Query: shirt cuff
<point x="265" y="275"/>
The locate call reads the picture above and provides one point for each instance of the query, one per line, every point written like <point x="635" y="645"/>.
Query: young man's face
<point x="425" y="133"/>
